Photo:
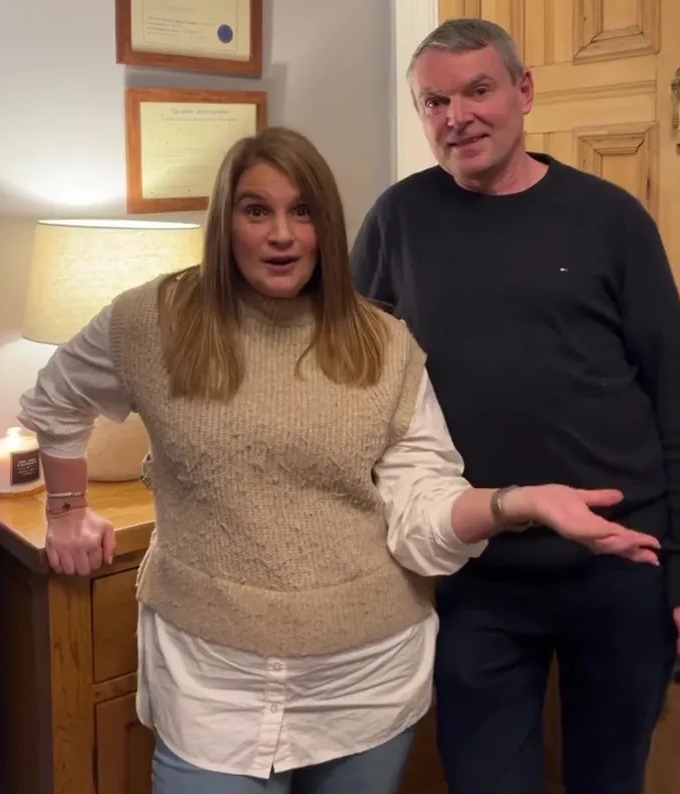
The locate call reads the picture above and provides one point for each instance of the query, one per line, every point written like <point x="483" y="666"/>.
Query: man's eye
<point x="434" y="102"/>
<point x="480" y="90"/>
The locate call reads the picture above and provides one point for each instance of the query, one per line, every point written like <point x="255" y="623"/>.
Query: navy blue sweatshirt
<point x="551" y="322"/>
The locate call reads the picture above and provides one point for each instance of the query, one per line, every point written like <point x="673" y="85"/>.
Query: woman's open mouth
<point x="280" y="261"/>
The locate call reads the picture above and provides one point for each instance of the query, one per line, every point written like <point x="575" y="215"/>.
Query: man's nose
<point x="458" y="112"/>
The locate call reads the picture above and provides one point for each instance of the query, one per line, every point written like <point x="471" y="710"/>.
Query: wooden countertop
<point x="128" y="505"/>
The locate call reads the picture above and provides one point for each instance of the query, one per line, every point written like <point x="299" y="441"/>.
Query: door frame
<point x="412" y="20"/>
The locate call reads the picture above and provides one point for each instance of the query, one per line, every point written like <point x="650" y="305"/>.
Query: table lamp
<point x="77" y="268"/>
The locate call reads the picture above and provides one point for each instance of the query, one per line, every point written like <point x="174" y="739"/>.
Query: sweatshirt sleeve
<point x="370" y="262"/>
<point x="651" y="324"/>
<point x="78" y="383"/>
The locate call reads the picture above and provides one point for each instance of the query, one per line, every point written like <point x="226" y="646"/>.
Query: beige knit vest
<point x="270" y="536"/>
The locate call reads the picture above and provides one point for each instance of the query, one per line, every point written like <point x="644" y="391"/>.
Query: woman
<point x="305" y="488"/>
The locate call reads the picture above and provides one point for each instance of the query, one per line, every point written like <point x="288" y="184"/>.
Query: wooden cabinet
<point x="663" y="769"/>
<point x="124" y="748"/>
<point x="68" y="657"/>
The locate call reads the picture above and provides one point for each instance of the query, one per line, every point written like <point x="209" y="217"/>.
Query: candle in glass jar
<point x="20" y="469"/>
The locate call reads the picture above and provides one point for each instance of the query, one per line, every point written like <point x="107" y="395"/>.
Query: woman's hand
<point x="567" y="511"/>
<point x="78" y="541"/>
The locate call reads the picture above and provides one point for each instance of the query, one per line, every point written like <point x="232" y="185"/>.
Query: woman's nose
<point x="281" y="233"/>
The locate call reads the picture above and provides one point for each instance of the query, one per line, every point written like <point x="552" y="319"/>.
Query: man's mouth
<point x="467" y="141"/>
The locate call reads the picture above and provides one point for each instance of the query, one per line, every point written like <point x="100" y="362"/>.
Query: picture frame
<point x="217" y="36"/>
<point x="175" y="140"/>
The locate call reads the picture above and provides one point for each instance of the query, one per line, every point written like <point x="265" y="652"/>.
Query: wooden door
<point x="604" y="73"/>
<point x="663" y="769"/>
<point x="124" y="749"/>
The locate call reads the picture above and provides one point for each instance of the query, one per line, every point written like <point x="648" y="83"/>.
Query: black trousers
<point x="609" y="624"/>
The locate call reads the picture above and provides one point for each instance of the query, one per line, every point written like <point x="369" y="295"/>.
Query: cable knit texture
<point x="270" y="535"/>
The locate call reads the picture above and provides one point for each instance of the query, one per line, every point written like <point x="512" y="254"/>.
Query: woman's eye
<point x="255" y="210"/>
<point x="301" y="211"/>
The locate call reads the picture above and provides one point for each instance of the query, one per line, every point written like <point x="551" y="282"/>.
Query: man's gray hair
<point x="465" y="35"/>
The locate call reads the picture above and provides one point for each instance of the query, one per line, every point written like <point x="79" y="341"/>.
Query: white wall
<point x="62" y="146"/>
<point x="412" y="21"/>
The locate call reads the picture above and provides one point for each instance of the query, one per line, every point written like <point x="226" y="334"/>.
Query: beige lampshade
<point x="79" y="266"/>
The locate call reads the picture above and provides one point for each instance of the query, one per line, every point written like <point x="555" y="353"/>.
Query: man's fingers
<point x="676" y="618"/>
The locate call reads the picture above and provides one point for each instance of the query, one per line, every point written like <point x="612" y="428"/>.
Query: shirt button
<point x="276" y="666"/>
<point x="273" y="708"/>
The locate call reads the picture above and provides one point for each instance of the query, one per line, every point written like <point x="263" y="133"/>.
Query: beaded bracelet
<point x="67" y="504"/>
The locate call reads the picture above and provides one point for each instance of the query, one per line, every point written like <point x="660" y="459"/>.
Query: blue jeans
<point x="376" y="771"/>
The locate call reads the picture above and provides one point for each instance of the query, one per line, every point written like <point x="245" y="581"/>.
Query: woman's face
<point x="273" y="237"/>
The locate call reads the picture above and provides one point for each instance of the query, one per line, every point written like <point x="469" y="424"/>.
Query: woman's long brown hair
<point x="198" y="308"/>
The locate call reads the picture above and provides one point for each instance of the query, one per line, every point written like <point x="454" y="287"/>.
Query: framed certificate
<point x="176" y="139"/>
<point x="222" y="36"/>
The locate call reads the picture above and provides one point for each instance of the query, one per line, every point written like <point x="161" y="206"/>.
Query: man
<point x="544" y="300"/>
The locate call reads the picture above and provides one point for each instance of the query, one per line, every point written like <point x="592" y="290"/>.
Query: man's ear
<point x="526" y="89"/>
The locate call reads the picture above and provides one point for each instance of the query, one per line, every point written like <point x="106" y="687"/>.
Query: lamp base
<point x="115" y="450"/>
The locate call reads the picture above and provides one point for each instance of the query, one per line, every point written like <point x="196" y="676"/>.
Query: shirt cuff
<point x="59" y="447"/>
<point x="445" y="534"/>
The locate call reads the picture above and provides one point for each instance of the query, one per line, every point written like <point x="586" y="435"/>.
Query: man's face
<point x="471" y="110"/>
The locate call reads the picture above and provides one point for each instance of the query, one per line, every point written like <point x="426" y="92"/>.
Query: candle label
<point x="24" y="467"/>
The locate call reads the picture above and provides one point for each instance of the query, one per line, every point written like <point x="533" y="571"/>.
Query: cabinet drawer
<point x="114" y="625"/>
<point x="124" y="748"/>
